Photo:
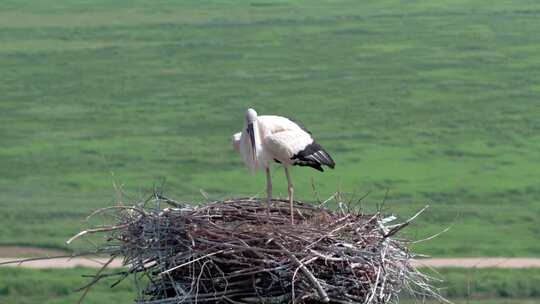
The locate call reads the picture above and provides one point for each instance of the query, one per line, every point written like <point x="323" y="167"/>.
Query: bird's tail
<point x="314" y="156"/>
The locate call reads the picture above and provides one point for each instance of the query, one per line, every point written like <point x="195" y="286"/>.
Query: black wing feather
<point x="313" y="155"/>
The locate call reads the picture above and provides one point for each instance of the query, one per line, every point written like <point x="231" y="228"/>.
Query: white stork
<point x="268" y="138"/>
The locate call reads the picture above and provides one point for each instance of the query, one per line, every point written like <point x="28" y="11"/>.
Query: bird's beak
<point x="251" y="139"/>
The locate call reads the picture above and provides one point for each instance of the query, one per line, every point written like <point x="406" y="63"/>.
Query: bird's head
<point x="236" y="141"/>
<point x="252" y="129"/>
<point x="251" y="119"/>
<point x="251" y="115"/>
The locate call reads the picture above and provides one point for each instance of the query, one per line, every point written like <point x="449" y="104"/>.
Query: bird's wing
<point x="297" y="148"/>
<point x="275" y="124"/>
<point x="315" y="156"/>
<point x="284" y="145"/>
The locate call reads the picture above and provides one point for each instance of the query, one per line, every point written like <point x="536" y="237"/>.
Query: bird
<point x="266" y="139"/>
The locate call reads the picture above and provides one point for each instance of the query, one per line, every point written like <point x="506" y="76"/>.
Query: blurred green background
<point x="461" y="286"/>
<point x="435" y="101"/>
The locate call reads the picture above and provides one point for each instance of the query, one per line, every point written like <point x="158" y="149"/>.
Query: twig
<point x="95" y="280"/>
<point x="398" y="227"/>
<point x="320" y="290"/>
<point x="192" y="261"/>
<point x="101" y="229"/>
<point x="21" y="261"/>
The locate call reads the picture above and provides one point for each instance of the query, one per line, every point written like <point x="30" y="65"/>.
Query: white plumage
<point x="269" y="138"/>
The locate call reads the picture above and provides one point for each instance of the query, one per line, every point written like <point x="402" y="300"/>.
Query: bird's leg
<point x="268" y="189"/>
<point x="291" y="194"/>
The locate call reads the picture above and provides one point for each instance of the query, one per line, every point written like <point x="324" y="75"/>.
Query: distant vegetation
<point x="480" y="286"/>
<point x="436" y="101"/>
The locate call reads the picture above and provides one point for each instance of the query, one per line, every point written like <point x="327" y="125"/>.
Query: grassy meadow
<point x="478" y="286"/>
<point x="438" y="102"/>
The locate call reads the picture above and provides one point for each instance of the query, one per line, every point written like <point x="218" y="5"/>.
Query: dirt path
<point x="12" y="253"/>
<point x="435" y="263"/>
<point x="483" y="262"/>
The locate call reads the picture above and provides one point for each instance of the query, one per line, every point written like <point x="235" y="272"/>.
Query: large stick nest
<point x="239" y="251"/>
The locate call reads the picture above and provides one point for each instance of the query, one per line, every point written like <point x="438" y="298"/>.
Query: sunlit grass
<point x="437" y="102"/>
<point x="482" y="286"/>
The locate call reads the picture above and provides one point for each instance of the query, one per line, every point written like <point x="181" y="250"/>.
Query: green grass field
<point x="23" y="286"/>
<point x="436" y="101"/>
